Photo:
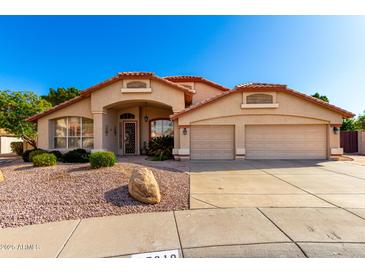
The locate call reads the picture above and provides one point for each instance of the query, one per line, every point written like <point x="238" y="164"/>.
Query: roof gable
<point x="120" y="76"/>
<point x="264" y="87"/>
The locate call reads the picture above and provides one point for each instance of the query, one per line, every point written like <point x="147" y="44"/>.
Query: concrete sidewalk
<point x="230" y="232"/>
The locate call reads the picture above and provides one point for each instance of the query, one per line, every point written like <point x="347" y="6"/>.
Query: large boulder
<point x="2" y="179"/>
<point x="143" y="186"/>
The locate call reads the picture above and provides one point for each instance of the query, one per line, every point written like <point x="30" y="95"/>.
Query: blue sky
<point x="308" y="53"/>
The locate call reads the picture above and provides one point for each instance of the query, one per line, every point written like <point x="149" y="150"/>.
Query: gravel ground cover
<point x="32" y="195"/>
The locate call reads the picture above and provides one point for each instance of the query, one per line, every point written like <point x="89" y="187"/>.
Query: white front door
<point x="128" y="137"/>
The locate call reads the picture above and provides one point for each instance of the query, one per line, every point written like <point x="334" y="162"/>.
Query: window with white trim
<point x="73" y="132"/>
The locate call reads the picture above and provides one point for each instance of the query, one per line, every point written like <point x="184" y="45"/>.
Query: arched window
<point x="259" y="98"/>
<point x="127" y="115"/>
<point x="161" y="127"/>
<point x="136" y="84"/>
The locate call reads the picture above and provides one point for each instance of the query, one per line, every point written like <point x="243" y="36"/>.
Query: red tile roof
<point x="134" y="75"/>
<point x="121" y="75"/>
<point x="186" y="78"/>
<point x="265" y="87"/>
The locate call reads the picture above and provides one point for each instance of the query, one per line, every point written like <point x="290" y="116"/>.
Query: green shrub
<point x="76" y="156"/>
<point x="44" y="159"/>
<point x="160" y="148"/>
<point x="17" y="147"/>
<point x="102" y="159"/>
<point x="58" y="154"/>
<point x="27" y="153"/>
<point x="36" y="152"/>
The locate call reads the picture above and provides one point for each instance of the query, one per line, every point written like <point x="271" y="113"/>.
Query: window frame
<point x="128" y="116"/>
<point x="159" y="119"/>
<point x="260" y="94"/>
<point x="272" y="105"/>
<point x="136" y="82"/>
<point x="67" y="136"/>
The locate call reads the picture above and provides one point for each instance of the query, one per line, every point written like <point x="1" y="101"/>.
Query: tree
<point x="349" y="124"/>
<point x="15" y="108"/>
<point x="322" y="97"/>
<point x="60" y="95"/>
<point x="361" y="121"/>
<point x="354" y="123"/>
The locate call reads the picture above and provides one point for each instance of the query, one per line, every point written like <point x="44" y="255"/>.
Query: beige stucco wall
<point x="289" y="105"/>
<point x="361" y="141"/>
<point x="161" y="93"/>
<point x="291" y="110"/>
<point x="81" y="108"/>
<point x="201" y="90"/>
<point x="204" y="91"/>
<point x="110" y="130"/>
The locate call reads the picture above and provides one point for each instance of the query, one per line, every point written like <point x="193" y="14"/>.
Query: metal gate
<point x="349" y="141"/>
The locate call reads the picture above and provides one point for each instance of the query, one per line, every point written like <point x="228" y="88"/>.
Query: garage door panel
<point x="280" y="155"/>
<point x="212" y="142"/>
<point x="286" y="142"/>
<point x="218" y="144"/>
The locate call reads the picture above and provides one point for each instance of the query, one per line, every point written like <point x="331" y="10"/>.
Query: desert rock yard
<point x="33" y="195"/>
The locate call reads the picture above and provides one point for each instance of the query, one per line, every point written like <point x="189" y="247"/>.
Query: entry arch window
<point x="73" y="132"/>
<point x="161" y="127"/>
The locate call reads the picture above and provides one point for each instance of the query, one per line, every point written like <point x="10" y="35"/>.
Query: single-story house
<point x="207" y="120"/>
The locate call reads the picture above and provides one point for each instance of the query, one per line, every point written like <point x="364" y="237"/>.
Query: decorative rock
<point x="2" y="178"/>
<point x="143" y="186"/>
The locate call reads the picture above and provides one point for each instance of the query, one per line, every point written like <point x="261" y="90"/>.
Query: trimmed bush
<point x="36" y="152"/>
<point x="102" y="159"/>
<point x="160" y="148"/>
<point x="76" y="156"/>
<point x="44" y="159"/>
<point x="58" y="154"/>
<point x="26" y="153"/>
<point x="17" y="147"/>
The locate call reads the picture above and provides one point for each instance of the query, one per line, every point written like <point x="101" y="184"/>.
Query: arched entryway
<point x="129" y="125"/>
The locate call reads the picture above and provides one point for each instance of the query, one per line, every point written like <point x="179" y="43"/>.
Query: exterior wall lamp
<point x="185" y="131"/>
<point x="335" y="130"/>
<point x="145" y="118"/>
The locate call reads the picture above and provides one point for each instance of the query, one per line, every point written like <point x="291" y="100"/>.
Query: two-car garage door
<point x="286" y="142"/>
<point x="261" y="142"/>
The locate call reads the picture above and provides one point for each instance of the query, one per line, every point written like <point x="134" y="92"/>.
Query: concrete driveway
<point x="279" y="183"/>
<point x="319" y="206"/>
